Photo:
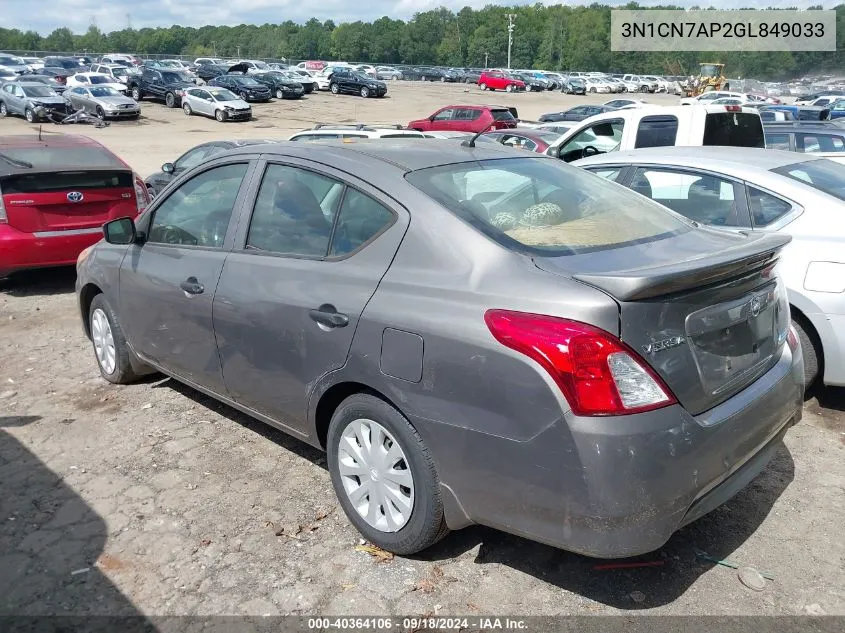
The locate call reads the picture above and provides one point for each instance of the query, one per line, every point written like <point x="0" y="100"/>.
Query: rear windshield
<point x="546" y="207"/>
<point x="100" y="79"/>
<point x="64" y="180"/>
<point x="825" y="175"/>
<point x="737" y="129"/>
<point x="502" y="115"/>
<point x="41" y="157"/>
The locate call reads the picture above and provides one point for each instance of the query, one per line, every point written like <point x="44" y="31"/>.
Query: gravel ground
<point x="155" y="499"/>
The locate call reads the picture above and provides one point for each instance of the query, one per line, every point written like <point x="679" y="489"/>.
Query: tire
<point x="365" y="92"/>
<point x="483" y="86"/>
<point x="443" y="80"/>
<point x="424" y="524"/>
<point x="170" y="100"/>
<point x="220" y="115"/>
<point x="509" y="88"/>
<point x="333" y="88"/>
<point x="280" y="94"/>
<point x="121" y="371"/>
<point x="242" y="95"/>
<point x="527" y="88"/>
<point x="643" y="88"/>
<point x="186" y="108"/>
<point x="136" y="93"/>
<point x="3" y="111"/>
<point x="100" y="112"/>
<point x="423" y="78"/>
<point x="29" y="115"/>
<point x="811" y="351"/>
<point x="592" y="90"/>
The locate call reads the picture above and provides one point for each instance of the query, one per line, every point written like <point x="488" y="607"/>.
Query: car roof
<point x="804" y="126"/>
<point x="405" y="155"/>
<point x="734" y="160"/>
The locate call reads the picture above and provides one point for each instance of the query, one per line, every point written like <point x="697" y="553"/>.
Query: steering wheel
<point x="175" y="235"/>
<point x="589" y="150"/>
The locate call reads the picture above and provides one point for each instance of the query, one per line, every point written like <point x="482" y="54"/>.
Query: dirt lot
<point x="155" y="499"/>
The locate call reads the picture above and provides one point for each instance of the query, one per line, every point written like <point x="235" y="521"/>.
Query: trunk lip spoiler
<point x="653" y="281"/>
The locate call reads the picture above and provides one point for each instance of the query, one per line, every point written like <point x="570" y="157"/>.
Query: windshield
<point x="824" y="175"/>
<point x="248" y="81"/>
<point x="104" y="91"/>
<point x="545" y="207"/>
<point x="172" y="77"/>
<point x="119" y="72"/>
<point x="710" y="70"/>
<point x="261" y="65"/>
<point x="86" y="155"/>
<point x="39" y="91"/>
<point x="169" y="64"/>
<point x="223" y="95"/>
<point x="100" y="79"/>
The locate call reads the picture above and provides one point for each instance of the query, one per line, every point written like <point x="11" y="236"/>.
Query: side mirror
<point x="120" y="231"/>
<point x="168" y="168"/>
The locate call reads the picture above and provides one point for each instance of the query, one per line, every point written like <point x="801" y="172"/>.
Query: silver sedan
<point x="761" y="190"/>
<point x="219" y="103"/>
<point x="105" y="102"/>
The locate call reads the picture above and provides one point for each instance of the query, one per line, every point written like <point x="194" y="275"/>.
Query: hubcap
<point x="103" y="340"/>
<point x="375" y="475"/>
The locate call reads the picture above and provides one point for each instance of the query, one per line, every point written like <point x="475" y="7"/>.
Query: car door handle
<point x="327" y="315"/>
<point x="192" y="286"/>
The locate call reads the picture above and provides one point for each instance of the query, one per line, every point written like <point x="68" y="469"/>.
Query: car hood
<point x="237" y="104"/>
<point x="47" y="100"/>
<point x="116" y="100"/>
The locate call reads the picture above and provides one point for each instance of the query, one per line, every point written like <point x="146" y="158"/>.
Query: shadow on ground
<point x="718" y="534"/>
<point x="40" y="283"/>
<point x="50" y="540"/>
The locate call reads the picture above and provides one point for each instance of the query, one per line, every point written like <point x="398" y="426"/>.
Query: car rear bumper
<point x="22" y="251"/>
<point x="617" y="486"/>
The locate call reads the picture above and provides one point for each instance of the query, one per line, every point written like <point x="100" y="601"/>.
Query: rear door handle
<point x="192" y="286"/>
<point x="328" y="315"/>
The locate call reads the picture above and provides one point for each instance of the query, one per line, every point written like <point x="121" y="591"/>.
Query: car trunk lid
<point x="704" y="308"/>
<point x="69" y="199"/>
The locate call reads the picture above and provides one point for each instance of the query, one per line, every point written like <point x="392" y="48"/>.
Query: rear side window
<point x="545" y="207"/>
<point x="766" y="208"/>
<point x="361" y="218"/>
<point x="818" y="143"/>
<point x="825" y="175"/>
<point x="777" y="141"/>
<point x="736" y="129"/>
<point x="657" y="131"/>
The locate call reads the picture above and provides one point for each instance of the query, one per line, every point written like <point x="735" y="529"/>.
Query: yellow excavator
<point x="710" y="77"/>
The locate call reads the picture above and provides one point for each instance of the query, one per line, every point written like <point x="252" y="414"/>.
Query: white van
<point x="655" y="126"/>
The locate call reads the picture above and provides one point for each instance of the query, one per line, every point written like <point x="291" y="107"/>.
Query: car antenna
<point x="471" y="142"/>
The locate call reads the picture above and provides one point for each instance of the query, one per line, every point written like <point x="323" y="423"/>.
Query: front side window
<point x="545" y="207"/>
<point x="608" y="173"/>
<point x="198" y="212"/>
<point x="701" y="197"/>
<point x="598" y="138"/>
<point x="294" y="212"/>
<point x="444" y="115"/>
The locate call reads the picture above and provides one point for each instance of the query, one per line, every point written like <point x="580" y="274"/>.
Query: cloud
<point x="78" y="15"/>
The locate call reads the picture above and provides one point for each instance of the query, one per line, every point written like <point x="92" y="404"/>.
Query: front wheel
<point x="443" y="79"/>
<point x="384" y="476"/>
<point x="101" y="113"/>
<point x="527" y="88"/>
<point x="110" y="347"/>
<point x="483" y="86"/>
<point x="170" y="100"/>
<point x="186" y="108"/>
<point x="509" y="88"/>
<point x="136" y="93"/>
<point x="644" y="89"/>
<point x="29" y="115"/>
<point x="280" y="93"/>
<point x="220" y="115"/>
<point x="365" y="92"/>
<point x="3" y="111"/>
<point x="333" y="88"/>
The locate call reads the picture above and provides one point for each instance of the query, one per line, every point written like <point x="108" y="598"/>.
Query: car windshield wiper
<point x="16" y="162"/>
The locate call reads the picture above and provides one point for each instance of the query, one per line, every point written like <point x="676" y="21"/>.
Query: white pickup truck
<point x="655" y="126"/>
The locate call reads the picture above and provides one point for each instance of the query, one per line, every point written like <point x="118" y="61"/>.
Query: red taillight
<point x="142" y="196"/>
<point x="598" y="373"/>
<point x="792" y="338"/>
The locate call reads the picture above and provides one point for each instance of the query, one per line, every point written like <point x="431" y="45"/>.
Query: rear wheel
<point x="29" y="115"/>
<point x="220" y="115"/>
<point x="509" y="88"/>
<point x="527" y="88"/>
<point x="592" y="89"/>
<point x="644" y="89"/>
<point x="811" y="350"/>
<point x="110" y="347"/>
<point x="365" y="92"/>
<point x="384" y="476"/>
<point x="170" y="100"/>
<point x="136" y="93"/>
<point x="186" y="108"/>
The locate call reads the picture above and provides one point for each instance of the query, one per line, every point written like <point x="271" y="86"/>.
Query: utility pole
<point x="511" y="17"/>
<point x="485" y="60"/>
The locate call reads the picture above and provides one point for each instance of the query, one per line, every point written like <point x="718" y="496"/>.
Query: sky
<point x="78" y="15"/>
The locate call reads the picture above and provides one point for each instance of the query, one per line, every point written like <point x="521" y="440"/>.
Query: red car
<point x="499" y="80"/>
<point x="467" y="118"/>
<point x="56" y="192"/>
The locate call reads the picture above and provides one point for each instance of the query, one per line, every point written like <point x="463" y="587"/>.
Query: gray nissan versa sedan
<point x="474" y="335"/>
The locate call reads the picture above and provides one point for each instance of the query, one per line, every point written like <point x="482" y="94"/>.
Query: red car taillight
<point x="598" y="374"/>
